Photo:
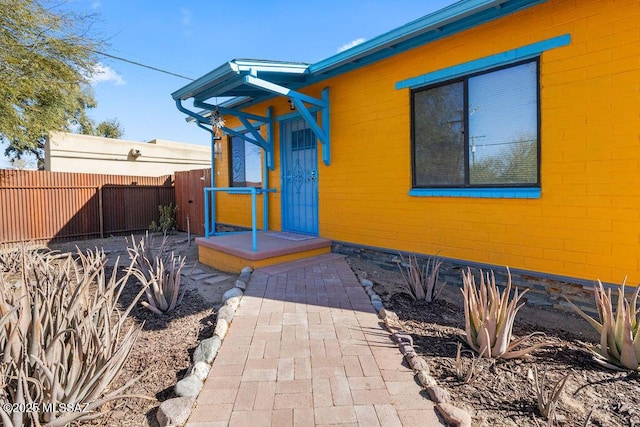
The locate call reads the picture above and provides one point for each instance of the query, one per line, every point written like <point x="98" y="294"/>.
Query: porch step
<point x="232" y="252"/>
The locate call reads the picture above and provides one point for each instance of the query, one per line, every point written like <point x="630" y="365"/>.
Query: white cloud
<point x="96" y="4"/>
<point x="104" y="73"/>
<point x="349" y="45"/>
<point x="186" y="16"/>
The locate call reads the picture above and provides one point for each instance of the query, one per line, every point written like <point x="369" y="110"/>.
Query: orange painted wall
<point x="586" y="223"/>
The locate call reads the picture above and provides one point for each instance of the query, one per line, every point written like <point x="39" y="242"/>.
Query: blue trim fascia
<point x="492" y="61"/>
<point x="438" y="25"/>
<point x="282" y="90"/>
<point x="299" y="99"/>
<point x="374" y="52"/>
<point x="271" y="144"/>
<point x="326" y="116"/>
<point x="489" y="193"/>
<point x="233" y="68"/>
<point x="229" y="111"/>
<point x="295" y="114"/>
<point x="266" y="144"/>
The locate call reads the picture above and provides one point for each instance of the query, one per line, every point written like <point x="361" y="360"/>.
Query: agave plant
<point x="160" y="275"/>
<point x="489" y="317"/>
<point x="469" y="375"/>
<point x="9" y="259"/>
<point x="63" y="338"/>
<point x="547" y="399"/>
<point x="420" y="281"/>
<point x="619" y="338"/>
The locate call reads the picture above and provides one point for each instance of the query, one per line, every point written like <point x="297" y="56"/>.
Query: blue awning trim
<point x="250" y="81"/>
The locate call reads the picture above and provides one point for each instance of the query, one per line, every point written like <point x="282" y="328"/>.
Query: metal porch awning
<point x="248" y="81"/>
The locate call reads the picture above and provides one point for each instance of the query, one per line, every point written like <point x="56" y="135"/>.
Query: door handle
<point x="312" y="176"/>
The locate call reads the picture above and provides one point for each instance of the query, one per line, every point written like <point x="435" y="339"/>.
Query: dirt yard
<point x="502" y="392"/>
<point x="163" y="350"/>
<point x="500" y="395"/>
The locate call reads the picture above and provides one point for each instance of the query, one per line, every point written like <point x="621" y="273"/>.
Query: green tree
<point x="109" y="129"/>
<point x="515" y="164"/>
<point x="46" y="59"/>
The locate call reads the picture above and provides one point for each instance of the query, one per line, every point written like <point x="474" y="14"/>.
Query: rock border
<point x="453" y="415"/>
<point x="176" y="411"/>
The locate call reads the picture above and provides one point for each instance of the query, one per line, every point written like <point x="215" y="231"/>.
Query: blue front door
<point x="299" y="178"/>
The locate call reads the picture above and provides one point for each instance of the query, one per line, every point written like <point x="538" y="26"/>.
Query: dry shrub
<point x="159" y="272"/>
<point x="420" y="281"/>
<point x="62" y="338"/>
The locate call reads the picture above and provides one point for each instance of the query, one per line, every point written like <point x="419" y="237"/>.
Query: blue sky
<point x="191" y="38"/>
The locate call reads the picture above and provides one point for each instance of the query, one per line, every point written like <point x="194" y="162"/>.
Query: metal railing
<point x="210" y="209"/>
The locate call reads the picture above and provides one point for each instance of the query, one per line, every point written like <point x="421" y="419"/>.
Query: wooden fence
<point x="44" y="206"/>
<point x="189" y="187"/>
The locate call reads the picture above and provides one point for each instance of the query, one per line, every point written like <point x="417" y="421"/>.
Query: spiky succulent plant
<point x="619" y="338"/>
<point x="159" y="273"/>
<point x="489" y="317"/>
<point x="420" y="282"/>
<point x="63" y="337"/>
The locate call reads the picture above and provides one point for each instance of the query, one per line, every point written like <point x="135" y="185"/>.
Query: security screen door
<point x="299" y="178"/>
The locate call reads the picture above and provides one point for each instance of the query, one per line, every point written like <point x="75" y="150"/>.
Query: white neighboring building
<point x="70" y="152"/>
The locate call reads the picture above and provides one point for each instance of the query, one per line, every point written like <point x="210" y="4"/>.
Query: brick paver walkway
<point x="306" y="348"/>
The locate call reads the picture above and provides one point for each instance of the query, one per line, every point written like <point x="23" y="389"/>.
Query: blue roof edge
<point x="431" y="22"/>
<point x="233" y="68"/>
<point x="450" y="20"/>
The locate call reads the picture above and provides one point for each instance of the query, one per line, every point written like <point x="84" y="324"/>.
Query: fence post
<point x="100" y="212"/>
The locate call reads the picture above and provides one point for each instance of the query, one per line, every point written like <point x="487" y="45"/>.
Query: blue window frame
<point x="479" y="130"/>
<point x="245" y="163"/>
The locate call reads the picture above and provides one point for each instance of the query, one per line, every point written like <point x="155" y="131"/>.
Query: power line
<point x="139" y="64"/>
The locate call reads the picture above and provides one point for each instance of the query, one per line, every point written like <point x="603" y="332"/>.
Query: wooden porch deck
<point x="232" y="252"/>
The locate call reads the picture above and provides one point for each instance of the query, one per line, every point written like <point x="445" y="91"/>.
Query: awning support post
<point x="299" y="100"/>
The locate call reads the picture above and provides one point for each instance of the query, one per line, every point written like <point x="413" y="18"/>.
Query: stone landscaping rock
<point x="438" y="394"/>
<point x="366" y="283"/>
<point x="241" y="284"/>
<point x="189" y="386"/>
<point x="207" y="350"/>
<point x="416" y="362"/>
<point x="200" y="370"/>
<point x="246" y="270"/>
<point x="226" y="312"/>
<point x="233" y="303"/>
<point x="222" y="326"/>
<point x="392" y="325"/>
<point x="377" y="305"/>
<point x="175" y="411"/>
<point x="369" y="291"/>
<point x="233" y="292"/>
<point x="245" y="275"/>
<point x="425" y="379"/>
<point x="399" y="337"/>
<point x="406" y="348"/>
<point x="389" y="315"/>
<point x="454" y="415"/>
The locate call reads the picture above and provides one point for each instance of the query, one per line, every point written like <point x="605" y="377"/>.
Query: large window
<point x="245" y="163"/>
<point x="478" y="131"/>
